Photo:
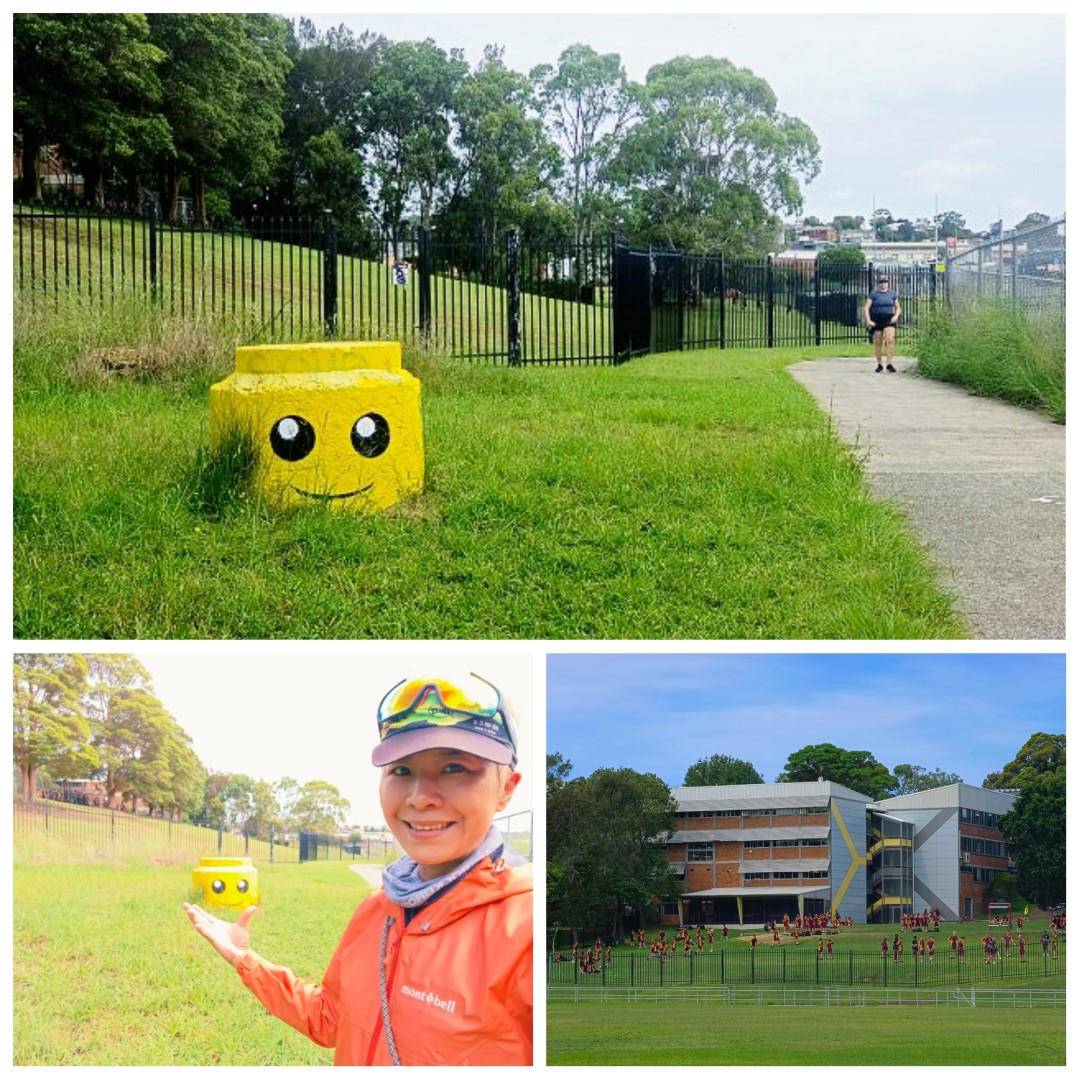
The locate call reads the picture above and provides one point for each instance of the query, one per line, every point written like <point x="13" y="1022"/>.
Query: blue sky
<point x="962" y="111"/>
<point x="659" y="713"/>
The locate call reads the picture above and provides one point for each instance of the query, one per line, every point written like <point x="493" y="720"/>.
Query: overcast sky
<point x="962" y="713"/>
<point x="311" y="715"/>
<point x="914" y="112"/>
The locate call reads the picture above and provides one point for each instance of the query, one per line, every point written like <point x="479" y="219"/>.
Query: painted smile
<point x="327" y="498"/>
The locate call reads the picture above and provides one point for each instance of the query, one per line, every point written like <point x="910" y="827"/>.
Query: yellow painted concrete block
<point x="334" y="422"/>
<point x="227" y="882"/>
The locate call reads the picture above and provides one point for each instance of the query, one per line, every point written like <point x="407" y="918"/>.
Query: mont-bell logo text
<point x="430" y="998"/>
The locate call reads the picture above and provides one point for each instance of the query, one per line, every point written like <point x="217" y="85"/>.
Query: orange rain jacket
<point x="459" y="978"/>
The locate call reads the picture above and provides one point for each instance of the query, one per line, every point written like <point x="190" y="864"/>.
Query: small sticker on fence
<point x="401" y="273"/>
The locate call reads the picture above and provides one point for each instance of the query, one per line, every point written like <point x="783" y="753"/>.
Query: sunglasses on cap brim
<point x="473" y="704"/>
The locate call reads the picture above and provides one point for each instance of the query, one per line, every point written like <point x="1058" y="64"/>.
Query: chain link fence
<point x="1025" y="266"/>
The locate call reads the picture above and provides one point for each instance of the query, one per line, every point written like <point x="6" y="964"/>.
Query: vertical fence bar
<point x="513" y="298"/>
<point x="330" y="280"/>
<point x="424" y="283"/>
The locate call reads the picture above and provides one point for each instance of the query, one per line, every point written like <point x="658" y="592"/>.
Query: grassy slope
<point x="692" y="495"/>
<point x="108" y="970"/>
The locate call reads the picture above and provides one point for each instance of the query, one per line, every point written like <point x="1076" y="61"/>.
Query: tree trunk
<point x="198" y="199"/>
<point x="170" y="191"/>
<point x="29" y="782"/>
<point x="31" y="175"/>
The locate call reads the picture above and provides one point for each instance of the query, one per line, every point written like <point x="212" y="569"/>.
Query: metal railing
<point x="74" y="828"/>
<point x="801" y="965"/>
<point x="1023" y="266"/>
<point x="507" y="299"/>
<point x="968" y="997"/>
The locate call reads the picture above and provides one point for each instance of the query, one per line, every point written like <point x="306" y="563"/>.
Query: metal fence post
<point x="423" y="283"/>
<point x="513" y="298"/>
<point x="152" y="245"/>
<point x="770" y="285"/>
<point x="220" y="835"/>
<point x="817" y="303"/>
<point x="330" y="282"/>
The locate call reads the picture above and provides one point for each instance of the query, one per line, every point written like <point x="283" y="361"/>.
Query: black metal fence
<point x="503" y="301"/>
<point x="802" y="965"/>
<point x="78" y="829"/>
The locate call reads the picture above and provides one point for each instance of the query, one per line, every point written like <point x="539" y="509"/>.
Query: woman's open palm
<point x="231" y="939"/>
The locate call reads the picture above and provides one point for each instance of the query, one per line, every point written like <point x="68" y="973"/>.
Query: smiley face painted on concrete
<point x="336" y="423"/>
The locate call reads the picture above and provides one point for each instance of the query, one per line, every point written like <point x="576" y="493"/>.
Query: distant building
<point x="751" y="853"/>
<point x="958" y="846"/>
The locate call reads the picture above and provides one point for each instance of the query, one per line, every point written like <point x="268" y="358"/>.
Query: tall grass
<point x="996" y="350"/>
<point x="689" y="495"/>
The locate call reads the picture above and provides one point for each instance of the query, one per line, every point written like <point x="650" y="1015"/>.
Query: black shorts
<point x="881" y="324"/>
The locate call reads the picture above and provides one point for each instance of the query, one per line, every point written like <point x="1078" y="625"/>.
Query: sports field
<point x="683" y="1033"/>
<point x="686" y="1019"/>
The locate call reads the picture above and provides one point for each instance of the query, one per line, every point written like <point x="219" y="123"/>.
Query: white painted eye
<point x="288" y="428"/>
<point x="365" y="427"/>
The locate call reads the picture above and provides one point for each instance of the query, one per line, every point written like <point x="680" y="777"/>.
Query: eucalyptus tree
<point x="505" y="161"/>
<point x="588" y="103"/>
<point x="407" y="116"/>
<point x="713" y="161"/>
<point x="51" y="730"/>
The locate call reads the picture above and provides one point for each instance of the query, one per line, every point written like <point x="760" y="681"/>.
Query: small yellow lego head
<point x="334" y="422"/>
<point x="227" y="882"/>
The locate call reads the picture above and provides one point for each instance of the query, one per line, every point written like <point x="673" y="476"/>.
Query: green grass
<point x="108" y="970"/>
<point x="994" y="350"/>
<point x="675" y="1033"/>
<point x="689" y="495"/>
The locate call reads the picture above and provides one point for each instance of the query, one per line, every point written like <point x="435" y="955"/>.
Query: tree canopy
<point x="855" y="769"/>
<point x="1042" y="754"/>
<point x="1035" y="829"/>
<point x="606" y="839"/>
<point x="51" y="730"/>
<point x="721" y="769"/>
<point x="245" y="112"/>
<point x="912" y="778"/>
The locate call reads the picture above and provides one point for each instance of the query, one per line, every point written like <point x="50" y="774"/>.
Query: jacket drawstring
<point x="384" y="1000"/>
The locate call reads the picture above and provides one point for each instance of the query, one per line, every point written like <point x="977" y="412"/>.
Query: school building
<point x="751" y="853"/>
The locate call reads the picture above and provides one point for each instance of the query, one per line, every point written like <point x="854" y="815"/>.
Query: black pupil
<point x="292" y="438"/>
<point x="370" y="435"/>
<point x="241" y="886"/>
<point x="218" y="886"/>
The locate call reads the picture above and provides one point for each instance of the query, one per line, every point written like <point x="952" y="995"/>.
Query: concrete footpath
<point x="982" y="482"/>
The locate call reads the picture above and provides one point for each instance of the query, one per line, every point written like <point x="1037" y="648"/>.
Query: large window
<point x="976" y="845"/>
<point x="756" y="843"/>
<point x="699" y="852"/>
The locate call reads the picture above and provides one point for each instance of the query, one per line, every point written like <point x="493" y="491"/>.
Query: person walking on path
<point x="881" y="313"/>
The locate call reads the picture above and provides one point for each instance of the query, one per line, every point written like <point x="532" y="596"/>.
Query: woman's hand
<point x="230" y="939"/>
